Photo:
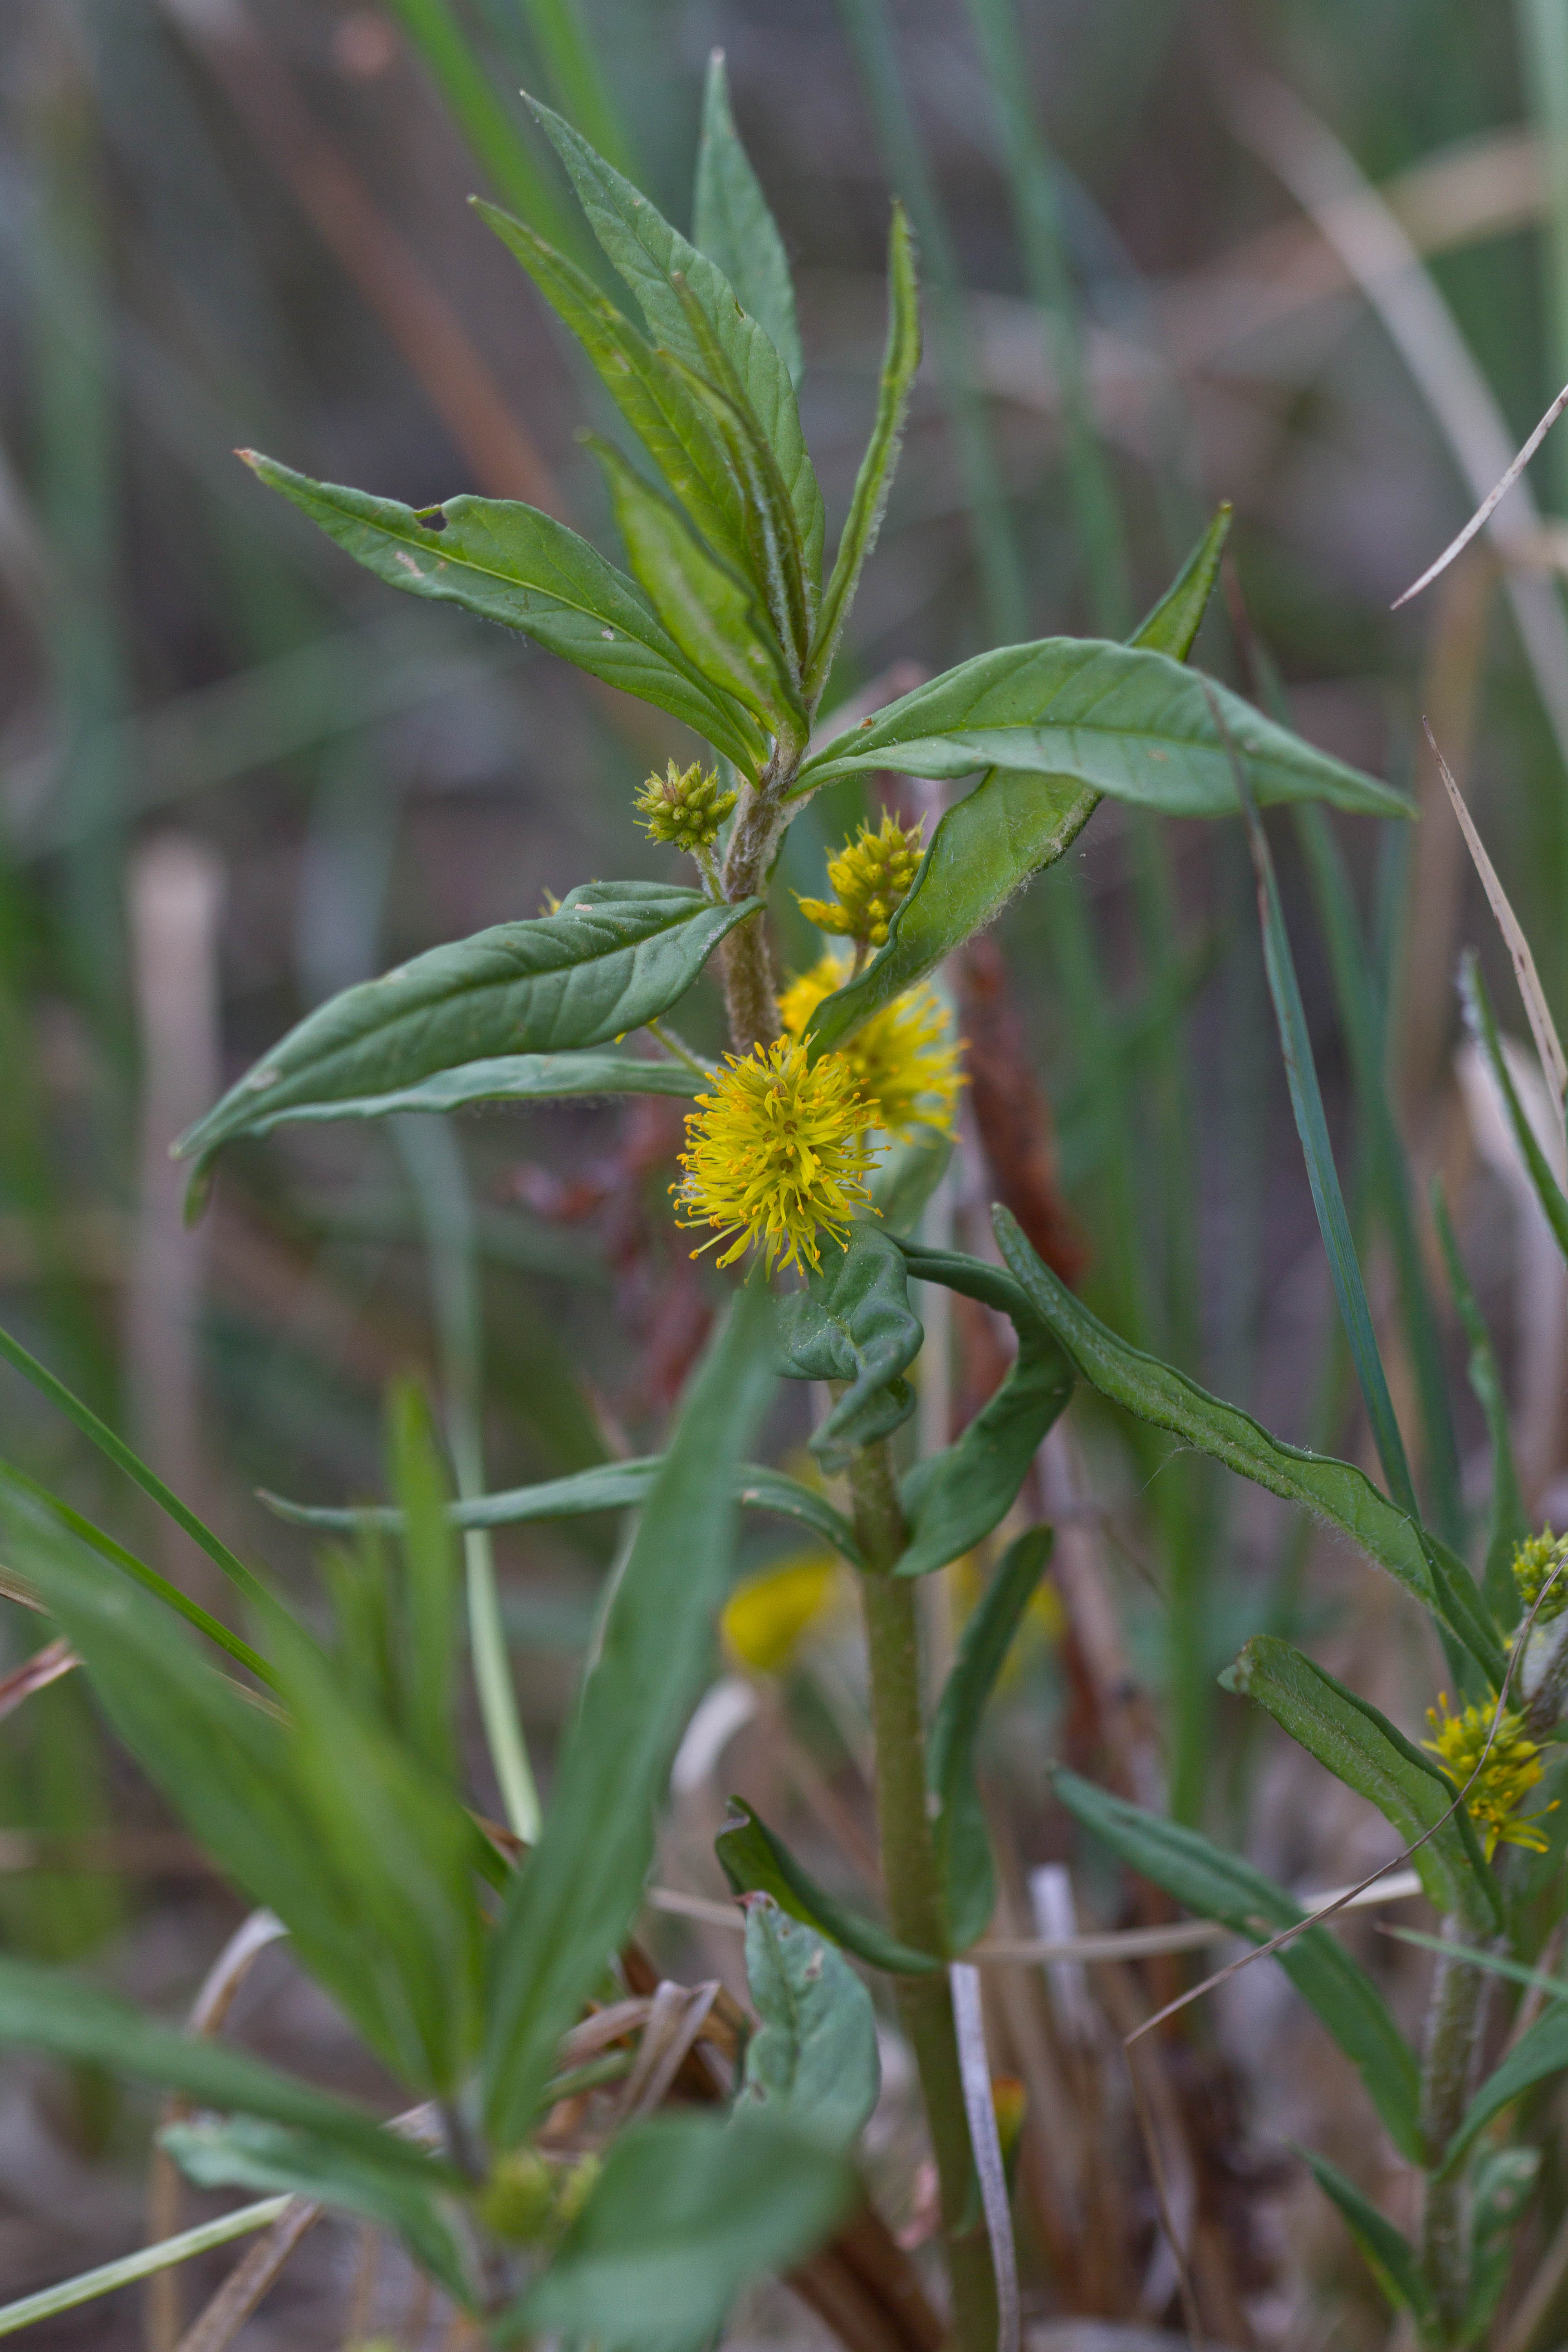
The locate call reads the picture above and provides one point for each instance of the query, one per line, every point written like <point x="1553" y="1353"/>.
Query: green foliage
<point x="853" y="1322"/>
<point x="733" y="225"/>
<point x="757" y="1862"/>
<point x="1504" y="2183"/>
<point x="1541" y="2052"/>
<point x="1507" y="1525"/>
<point x="577" y="1894"/>
<point x="812" y="2060"/>
<point x="962" y="1843"/>
<point x="1481" y="1022"/>
<point x="1388" y="2251"/>
<point x="1363" y="1748"/>
<point x="614" y="955"/>
<point x="1217" y="1885"/>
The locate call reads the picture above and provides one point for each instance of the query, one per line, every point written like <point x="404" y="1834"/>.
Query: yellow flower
<point x="765" y="1618"/>
<point x="900" y="1060"/>
<point x="1534" y="1562"/>
<point x="778" y="1153"/>
<point x="1513" y="1769"/>
<point x="686" y="809"/>
<point x="870" y="878"/>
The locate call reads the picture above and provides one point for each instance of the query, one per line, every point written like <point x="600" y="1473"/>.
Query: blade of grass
<point x="432" y="1156"/>
<point x="1542" y="33"/>
<point x="87" y="2285"/>
<point x="1307" y="1102"/>
<point x="1507" y="1525"/>
<point x="578" y="86"/>
<point x="908" y="165"/>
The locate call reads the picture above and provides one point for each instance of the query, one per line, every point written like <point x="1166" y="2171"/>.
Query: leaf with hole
<point x="852" y="1321"/>
<point x="1215" y="1885"/>
<point x="958" y="1833"/>
<point x="612" y="956"/>
<point x="577" y="1895"/>
<point x="508" y="562"/>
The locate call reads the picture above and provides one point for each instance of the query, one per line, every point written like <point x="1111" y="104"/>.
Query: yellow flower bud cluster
<point x="527" y="2199"/>
<point x="870" y="878"/>
<point x="1512" y="1767"/>
<point x="1535" y="1562"/>
<point x="684" y="807"/>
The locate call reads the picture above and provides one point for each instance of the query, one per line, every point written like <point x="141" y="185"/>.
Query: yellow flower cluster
<point x="684" y="808"/>
<point x="1538" y="1559"/>
<point x="871" y="876"/>
<point x="1511" y="1769"/>
<point x="776" y="1154"/>
<point x="902" y="1060"/>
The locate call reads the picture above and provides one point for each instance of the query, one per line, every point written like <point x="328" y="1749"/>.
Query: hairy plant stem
<point x="913" y="1890"/>
<point x="750" y="999"/>
<point x="1455" y="2020"/>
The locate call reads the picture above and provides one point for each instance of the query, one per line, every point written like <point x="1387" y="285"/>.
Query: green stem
<point x="913" y="1891"/>
<point x="1453" y="2024"/>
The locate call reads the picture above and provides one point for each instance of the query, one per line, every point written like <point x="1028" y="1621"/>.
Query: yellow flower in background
<point x="1536" y="1560"/>
<point x="870" y="878"/>
<point x="765" y="1618"/>
<point x="903" y="1059"/>
<point x="777" y="1154"/>
<point x="1511" y="1769"/>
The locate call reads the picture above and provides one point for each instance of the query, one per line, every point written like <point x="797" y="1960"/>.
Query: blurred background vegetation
<point x="1308" y="257"/>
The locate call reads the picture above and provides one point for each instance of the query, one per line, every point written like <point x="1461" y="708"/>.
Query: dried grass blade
<point x="34" y="1674"/>
<point x="969" y="2024"/>
<point x="1488" y="505"/>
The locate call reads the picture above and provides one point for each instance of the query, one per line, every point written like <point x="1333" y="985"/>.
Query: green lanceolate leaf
<point x="427" y="1646"/>
<point x="755" y="1862"/>
<point x="687" y="2211"/>
<point x="1482" y="1024"/>
<point x="1506" y="1524"/>
<point x="511" y="563"/>
<point x="1540" y="2051"/>
<point x="1121" y="719"/>
<point x="1363" y="1749"/>
<point x="955" y="1498"/>
<point x="709" y="611"/>
<point x="1157" y="1393"/>
<point x="500" y="1078"/>
<point x="609" y="1486"/>
<point x="901" y="362"/>
<point x="731" y="224"/>
<point x="811" y="2061"/>
<point x="614" y="955"/>
<point x="578" y="1893"/>
<point x="1504" y="2184"/>
<point x="45" y="2008"/>
<point x="650" y="256"/>
<point x="1389" y="2253"/>
<point x="959" y="1833"/>
<point x="1217" y="1885"/>
<point x="652" y="393"/>
<point x="246" y="2154"/>
<point x="853" y="1321"/>
<point x="1007" y="830"/>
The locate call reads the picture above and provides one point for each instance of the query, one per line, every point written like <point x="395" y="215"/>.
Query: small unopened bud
<point x="576" y="2188"/>
<point x="684" y="807"/>
<point x="870" y="878"/>
<point x="519" y="2200"/>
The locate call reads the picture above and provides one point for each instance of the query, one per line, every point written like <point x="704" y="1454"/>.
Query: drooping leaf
<point x="901" y="362"/>
<point x="1215" y="1885"/>
<point x="511" y="563"/>
<point x="852" y="1321"/>
<point x="672" y="424"/>
<point x="608" y="1487"/>
<point x="46" y="2009"/>
<point x="577" y="1894"/>
<point x="243" y="2152"/>
<point x="756" y="1861"/>
<point x="1007" y="830"/>
<point x="1540" y="2051"/>
<point x="712" y="614"/>
<point x="614" y="955"/>
<point x="231" y="1771"/>
<point x="1388" y="2252"/>
<point x="1123" y="720"/>
<point x="650" y="256"/>
<point x="959" y="1833"/>
<point x="731" y="224"/>
<point x="500" y="1078"/>
<point x="1157" y="1393"/>
<point x="1482" y="1025"/>
<point x="813" y="2059"/>
<point x="1507" y="1525"/>
<point x="955" y="1498"/>
<point x="687" y="2211"/>
<point x="1363" y="1748"/>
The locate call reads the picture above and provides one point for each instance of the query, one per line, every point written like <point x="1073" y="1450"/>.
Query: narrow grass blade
<point x="146" y="2262"/>
<point x="579" y="87"/>
<point x="1482" y="1023"/>
<point x="123" y="1457"/>
<point x="1507" y="1525"/>
<point x="1307" y="1102"/>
